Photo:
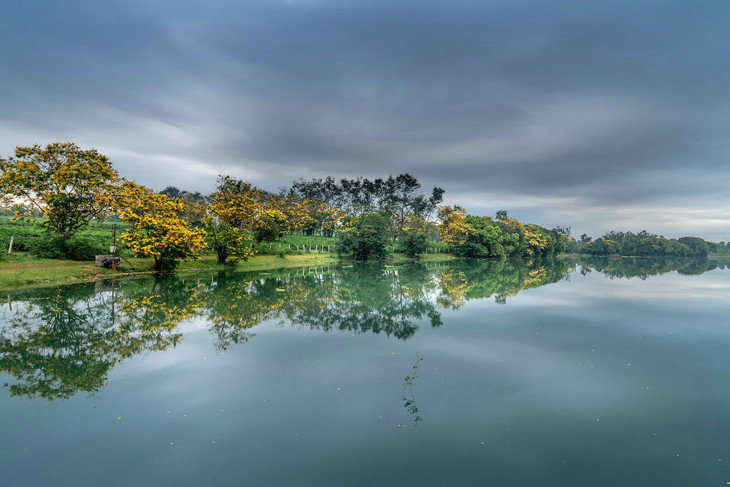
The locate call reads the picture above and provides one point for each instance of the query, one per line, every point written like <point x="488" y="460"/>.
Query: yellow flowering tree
<point x="156" y="228"/>
<point x="330" y="218"/>
<point x="68" y="184"/>
<point x="453" y="228"/>
<point x="535" y="241"/>
<point x="274" y="218"/>
<point x="235" y="202"/>
<point x="298" y="213"/>
<point x="233" y="211"/>
<point x="270" y="223"/>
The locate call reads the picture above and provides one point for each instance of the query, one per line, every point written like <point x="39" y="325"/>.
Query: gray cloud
<point x="596" y="114"/>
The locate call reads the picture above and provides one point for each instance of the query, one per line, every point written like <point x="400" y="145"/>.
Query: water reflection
<point x="65" y="340"/>
<point x="643" y="268"/>
<point x="61" y="341"/>
<point x="466" y="280"/>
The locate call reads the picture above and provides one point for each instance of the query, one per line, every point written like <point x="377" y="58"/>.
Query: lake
<point x="562" y="373"/>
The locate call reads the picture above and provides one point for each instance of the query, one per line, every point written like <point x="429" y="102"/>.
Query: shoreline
<point x="22" y="271"/>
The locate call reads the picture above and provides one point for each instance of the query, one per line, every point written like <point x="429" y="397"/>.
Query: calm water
<point x="592" y="373"/>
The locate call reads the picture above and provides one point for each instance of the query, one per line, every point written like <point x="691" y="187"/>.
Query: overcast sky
<point x="599" y="115"/>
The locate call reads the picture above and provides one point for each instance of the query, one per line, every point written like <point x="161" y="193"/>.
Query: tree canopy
<point x="482" y="236"/>
<point x="68" y="184"/>
<point x="156" y="228"/>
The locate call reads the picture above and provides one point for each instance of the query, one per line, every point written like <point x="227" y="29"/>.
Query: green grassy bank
<point x="23" y="270"/>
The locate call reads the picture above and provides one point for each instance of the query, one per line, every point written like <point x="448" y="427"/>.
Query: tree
<point x="156" y="227"/>
<point x="311" y="216"/>
<point x="235" y="202"/>
<point x="400" y="198"/>
<point x="69" y="185"/>
<point x="234" y="210"/>
<point x="195" y="208"/>
<point x="642" y="244"/>
<point x="416" y="235"/>
<point x="481" y="236"/>
<point x="369" y="236"/>
<point x="696" y="245"/>
<point x="486" y="238"/>
<point x="414" y="241"/>
<point x="195" y="205"/>
<point x="270" y="223"/>
<point x="229" y="242"/>
<point x="453" y="228"/>
<point x="396" y="196"/>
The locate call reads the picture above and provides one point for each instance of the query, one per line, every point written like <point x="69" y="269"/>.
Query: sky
<point x="599" y="115"/>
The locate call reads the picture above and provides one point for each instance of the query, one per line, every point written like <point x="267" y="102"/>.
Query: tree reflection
<point x="65" y="340"/>
<point x="467" y="280"/>
<point x="367" y="298"/>
<point x="364" y="298"/>
<point x="61" y="341"/>
<point x="642" y="268"/>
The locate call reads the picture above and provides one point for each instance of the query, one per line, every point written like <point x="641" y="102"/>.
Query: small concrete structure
<point x="106" y="261"/>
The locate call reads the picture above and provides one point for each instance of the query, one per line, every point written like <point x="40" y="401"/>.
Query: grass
<point x="23" y="270"/>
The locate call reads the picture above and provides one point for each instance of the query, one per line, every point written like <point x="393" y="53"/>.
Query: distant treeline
<point x="644" y="244"/>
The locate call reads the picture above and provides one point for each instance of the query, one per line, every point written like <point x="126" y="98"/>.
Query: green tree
<point x="229" y="242"/>
<point x="369" y="236"/>
<point x="414" y="242"/>
<point x="68" y="184"/>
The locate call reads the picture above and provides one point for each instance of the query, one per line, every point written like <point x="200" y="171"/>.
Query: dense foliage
<point x="482" y="236"/>
<point x="368" y="236"/>
<point x="65" y="187"/>
<point x="67" y="184"/>
<point x="414" y="242"/>
<point x="642" y="244"/>
<point x="156" y="228"/>
<point x="76" y="247"/>
<point x="396" y="197"/>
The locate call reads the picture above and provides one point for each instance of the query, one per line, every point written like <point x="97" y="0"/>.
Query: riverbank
<point x="712" y="255"/>
<point x="22" y="270"/>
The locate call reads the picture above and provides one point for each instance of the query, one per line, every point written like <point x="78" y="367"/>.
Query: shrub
<point x="51" y="246"/>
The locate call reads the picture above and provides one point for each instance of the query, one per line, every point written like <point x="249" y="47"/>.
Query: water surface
<point x="599" y="372"/>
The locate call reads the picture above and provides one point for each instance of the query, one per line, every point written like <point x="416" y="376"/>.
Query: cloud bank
<point x="599" y="115"/>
